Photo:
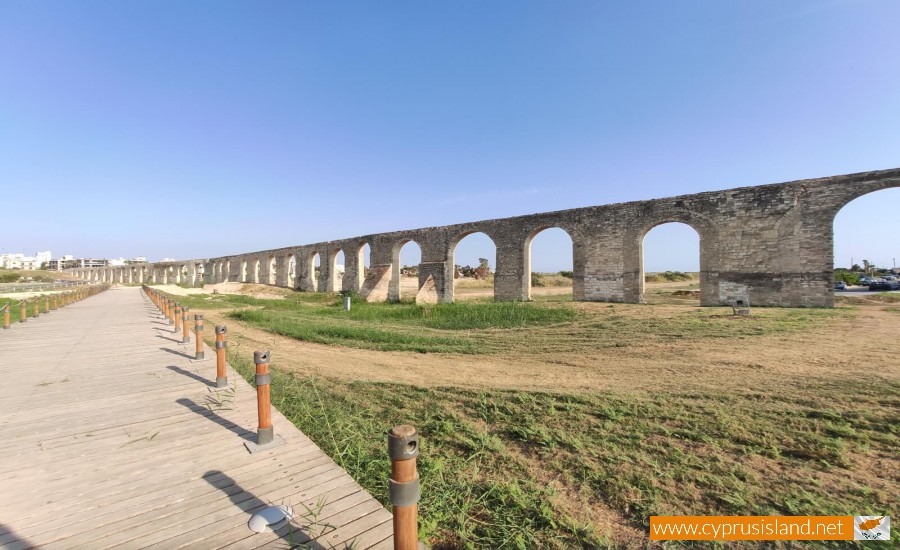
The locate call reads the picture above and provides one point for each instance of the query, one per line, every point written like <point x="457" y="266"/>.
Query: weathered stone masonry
<point x="769" y="243"/>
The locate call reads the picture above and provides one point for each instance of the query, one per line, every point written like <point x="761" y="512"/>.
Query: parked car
<point x="840" y="285"/>
<point x="880" y="285"/>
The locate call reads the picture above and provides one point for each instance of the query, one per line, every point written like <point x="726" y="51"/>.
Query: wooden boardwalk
<point x="107" y="442"/>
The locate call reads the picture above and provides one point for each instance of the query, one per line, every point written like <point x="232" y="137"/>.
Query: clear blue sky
<point x="197" y="129"/>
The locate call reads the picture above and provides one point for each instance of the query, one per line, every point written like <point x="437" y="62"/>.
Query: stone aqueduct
<point x="771" y="244"/>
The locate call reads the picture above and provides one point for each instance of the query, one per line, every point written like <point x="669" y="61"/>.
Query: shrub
<point x="846" y="276"/>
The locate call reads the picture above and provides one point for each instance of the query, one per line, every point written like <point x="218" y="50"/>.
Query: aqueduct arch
<point x="771" y="243"/>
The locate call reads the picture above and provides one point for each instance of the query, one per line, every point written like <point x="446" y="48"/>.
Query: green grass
<point x="357" y="336"/>
<point x="15" y="309"/>
<point x="551" y="324"/>
<point x="669" y="276"/>
<point x="492" y="462"/>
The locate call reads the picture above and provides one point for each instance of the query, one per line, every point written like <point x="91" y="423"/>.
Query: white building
<point x="21" y="261"/>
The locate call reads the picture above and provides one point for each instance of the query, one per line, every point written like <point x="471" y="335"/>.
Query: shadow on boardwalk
<point x="294" y="535"/>
<point x="175" y="352"/>
<point x="10" y="539"/>
<point x="207" y="412"/>
<point x="188" y="373"/>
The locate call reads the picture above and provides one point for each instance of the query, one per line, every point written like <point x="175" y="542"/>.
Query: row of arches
<point x="547" y="251"/>
<point x="282" y="269"/>
<point x="405" y="260"/>
<point x="552" y="245"/>
<point x="774" y="243"/>
<point x="192" y="274"/>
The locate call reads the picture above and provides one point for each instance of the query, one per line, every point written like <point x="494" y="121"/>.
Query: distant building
<point x="70" y="262"/>
<point x="66" y="262"/>
<point x="40" y="258"/>
<point x="21" y="261"/>
<point x="12" y="261"/>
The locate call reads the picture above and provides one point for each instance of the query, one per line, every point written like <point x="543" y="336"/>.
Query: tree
<point x="483" y="269"/>
<point x="855" y="267"/>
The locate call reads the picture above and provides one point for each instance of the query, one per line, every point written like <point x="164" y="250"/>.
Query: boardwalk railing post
<point x="6" y="315"/>
<point x="221" y="344"/>
<point x="265" y="435"/>
<point x="23" y="311"/>
<point x="198" y="328"/>
<point x="185" y="326"/>
<point x="177" y="318"/>
<point x="403" y="448"/>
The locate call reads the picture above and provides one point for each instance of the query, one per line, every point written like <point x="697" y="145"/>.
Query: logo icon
<point x="871" y="527"/>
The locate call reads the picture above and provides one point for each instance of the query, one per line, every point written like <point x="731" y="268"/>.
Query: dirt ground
<point x="861" y="346"/>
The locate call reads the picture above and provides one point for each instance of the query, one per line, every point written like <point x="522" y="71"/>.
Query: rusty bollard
<point x="37" y="307"/>
<point x="23" y="311"/>
<point x="46" y="304"/>
<point x="403" y="448"/>
<point x="54" y="304"/>
<point x="185" y="326"/>
<point x="198" y="328"/>
<point x="265" y="435"/>
<point x="221" y="344"/>
<point x="170" y="311"/>
<point x="6" y="315"/>
<point x="177" y="318"/>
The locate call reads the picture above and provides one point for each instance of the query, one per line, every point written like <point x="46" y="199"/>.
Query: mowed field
<point x="560" y="424"/>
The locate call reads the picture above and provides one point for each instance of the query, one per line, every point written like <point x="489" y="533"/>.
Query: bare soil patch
<point x="861" y="343"/>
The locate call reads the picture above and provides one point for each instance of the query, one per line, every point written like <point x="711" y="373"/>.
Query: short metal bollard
<point x="346" y="303"/>
<point x="6" y="315"/>
<point x="221" y="344"/>
<point x="185" y="328"/>
<point x="403" y="448"/>
<point x="198" y="328"/>
<point x="265" y="434"/>
<point x="177" y="318"/>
